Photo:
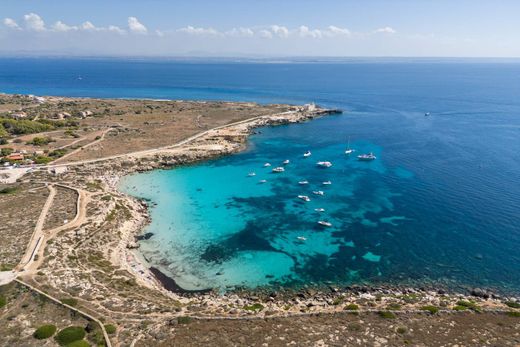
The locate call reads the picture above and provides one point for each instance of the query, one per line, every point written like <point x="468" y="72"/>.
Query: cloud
<point x="116" y="29"/>
<point x="385" y="30"/>
<point x="336" y="31"/>
<point x="280" y="31"/>
<point x="34" y="22"/>
<point x="135" y="26"/>
<point x="199" y="31"/>
<point x="304" y="31"/>
<point x="59" y="26"/>
<point x="240" y="32"/>
<point x="88" y="26"/>
<point x="266" y="34"/>
<point x="11" y="24"/>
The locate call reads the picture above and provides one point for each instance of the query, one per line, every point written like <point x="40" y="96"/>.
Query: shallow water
<point x="441" y="203"/>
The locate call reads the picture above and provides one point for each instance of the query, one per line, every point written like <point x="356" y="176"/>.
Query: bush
<point x="40" y="141"/>
<point x="351" y="307"/>
<point x="512" y="304"/>
<point x="401" y="330"/>
<point x="468" y="305"/>
<point x="254" y="307"/>
<point x="430" y="308"/>
<point x="386" y="314"/>
<point x="23" y="127"/>
<point x="110" y="329"/>
<point x="69" y="335"/>
<point x="42" y="159"/>
<point x="44" y="332"/>
<point x="79" y="343"/>
<point x="70" y="301"/>
<point x="514" y="314"/>
<point x="58" y="153"/>
<point x="6" y="151"/>
<point x="3" y="301"/>
<point x="183" y="320"/>
<point x="8" y="190"/>
<point x="393" y="306"/>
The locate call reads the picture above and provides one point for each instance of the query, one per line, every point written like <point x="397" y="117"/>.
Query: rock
<point x="479" y="293"/>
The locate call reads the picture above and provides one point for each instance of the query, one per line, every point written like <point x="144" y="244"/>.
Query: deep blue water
<point x="441" y="203"/>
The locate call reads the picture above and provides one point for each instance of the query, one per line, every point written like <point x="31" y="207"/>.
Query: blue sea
<point x="440" y="205"/>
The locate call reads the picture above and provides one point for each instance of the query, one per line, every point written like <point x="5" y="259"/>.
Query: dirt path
<point x="102" y="137"/>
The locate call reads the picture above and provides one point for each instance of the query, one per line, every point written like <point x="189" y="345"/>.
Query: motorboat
<point x="251" y="174"/>
<point x="349" y="150"/>
<point x="304" y="198"/>
<point x="278" y="169"/>
<point x="303" y="182"/>
<point x="319" y="209"/>
<point x="285" y="162"/>
<point x="326" y="183"/>
<point x="367" y="157"/>
<point x="307" y="154"/>
<point x="301" y="238"/>
<point x="318" y="192"/>
<point x="324" y="163"/>
<point x="267" y="164"/>
<point x="262" y="181"/>
<point x="325" y="224"/>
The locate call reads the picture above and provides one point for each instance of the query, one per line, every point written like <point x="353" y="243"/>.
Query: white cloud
<point x="266" y="34"/>
<point x="135" y="26"/>
<point x="11" y="23"/>
<point x="304" y="31"/>
<point x="385" y="30"/>
<point x="34" y="22"/>
<point x="59" y="26"/>
<point x="88" y="26"/>
<point x="198" y="31"/>
<point x="336" y="31"/>
<point x="240" y="32"/>
<point x="280" y="31"/>
<point x="116" y="29"/>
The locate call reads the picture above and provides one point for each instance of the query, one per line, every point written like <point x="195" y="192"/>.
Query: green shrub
<point x="42" y="159"/>
<point x="40" y="141"/>
<point x="70" y="301"/>
<point x="514" y="314"/>
<point x="430" y="308"/>
<point x="110" y="329"/>
<point x="468" y="304"/>
<point x="401" y="330"/>
<point x="8" y="190"/>
<point x="23" y="127"/>
<point x="386" y="314"/>
<point x="79" y="343"/>
<point x="254" y="307"/>
<point x="58" y="153"/>
<point x="6" y="151"/>
<point x="183" y="320"/>
<point x="69" y="335"/>
<point x="393" y="306"/>
<point x="44" y="332"/>
<point x="3" y="301"/>
<point x="338" y="300"/>
<point x="459" y="308"/>
<point x="351" y="307"/>
<point x="512" y="304"/>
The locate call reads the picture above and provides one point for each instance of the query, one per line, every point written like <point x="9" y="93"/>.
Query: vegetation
<point x="58" y="153"/>
<point x="23" y="127"/>
<point x="44" y="332"/>
<point x="8" y="190"/>
<point x="3" y="301"/>
<point x="393" y="306"/>
<point x="386" y="314"/>
<point x="68" y="335"/>
<point x="79" y="343"/>
<point x="41" y="159"/>
<point x="6" y="151"/>
<point x="40" y="141"/>
<point x="183" y="320"/>
<point x="512" y="304"/>
<point x="351" y="307"/>
<point x="430" y="308"/>
<point x="111" y="329"/>
<point x="401" y="330"/>
<point x="70" y="301"/>
<point x="254" y="307"/>
<point x="465" y="305"/>
<point x="514" y="314"/>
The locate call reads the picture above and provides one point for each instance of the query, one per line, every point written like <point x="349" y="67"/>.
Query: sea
<point x="440" y="206"/>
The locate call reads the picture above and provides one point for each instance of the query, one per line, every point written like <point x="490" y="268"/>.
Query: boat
<point x="318" y="192"/>
<point x="349" y="150"/>
<point x="367" y="157"/>
<point x="285" y="162"/>
<point x="262" y="181"/>
<point x="427" y="114"/>
<point x="301" y="238"/>
<point x="267" y="164"/>
<point x="307" y="154"/>
<point x="251" y="174"/>
<point x="326" y="183"/>
<point x="324" y="163"/>
<point x="319" y="209"/>
<point x="303" y="182"/>
<point x="325" y="224"/>
<point x="304" y="198"/>
<point x="278" y="169"/>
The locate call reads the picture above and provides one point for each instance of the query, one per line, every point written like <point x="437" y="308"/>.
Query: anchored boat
<point x="367" y="157"/>
<point x="324" y="164"/>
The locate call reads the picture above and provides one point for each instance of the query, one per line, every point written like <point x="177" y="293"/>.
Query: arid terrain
<point x="69" y="239"/>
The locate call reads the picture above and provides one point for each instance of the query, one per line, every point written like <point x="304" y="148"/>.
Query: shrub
<point x="110" y="329"/>
<point x="40" y="141"/>
<point x="468" y="304"/>
<point x="514" y="314"/>
<point x="3" y="301"/>
<point x="21" y="127"/>
<point x="254" y="307"/>
<point x="338" y="300"/>
<point x="70" y="301"/>
<point x="44" y="332"/>
<point x="79" y="343"/>
<point x="386" y="314"/>
<point x="6" y="151"/>
<point x="393" y="306"/>
<point x="351" y="307"/>
<point x="42" y="159"/>
<point x="8" y="190"/>
<point x="430" y="308"/>
<point x="512" y="304"/>
<point x="69" y="335"/>
<point x="183" y="320"/>
<point x="401" y="330"/>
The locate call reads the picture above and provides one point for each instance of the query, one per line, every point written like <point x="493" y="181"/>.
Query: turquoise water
<point x="440" y="204"/>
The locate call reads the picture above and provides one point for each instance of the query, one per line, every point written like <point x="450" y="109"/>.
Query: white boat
<point x="251" y="174"/>
<point x="349" y="150"/>
<point x="303" y="182"/>
<point x="318" y="192"/>
<point x="285" y="162"/>
<point x="278" y="169"/>
<point x="327" y="183"/>
<point x="324" y="163"/>
<point x="267" y="164"/>
<point x="367" y="157"/>
<point x="427" y="114"/>
<point x="307" y="154"/>
<point x="301" y="238"/>
<point x="304" y="198"/>
<point x="319" y="209"/>
<point x="262" y="181"/>
<point x="325" y="224"/>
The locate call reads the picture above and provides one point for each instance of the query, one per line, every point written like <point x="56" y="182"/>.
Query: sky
<point x="267" y="28"/>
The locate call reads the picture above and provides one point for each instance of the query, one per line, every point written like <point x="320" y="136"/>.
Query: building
<point x="14" y="156"/>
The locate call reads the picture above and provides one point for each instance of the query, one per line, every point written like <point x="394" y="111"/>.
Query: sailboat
<point x="349" y="150"/>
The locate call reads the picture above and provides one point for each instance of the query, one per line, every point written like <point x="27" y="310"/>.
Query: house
<point x="14" y="156"/>
<point x="18" y="115"/>
<point x="62" y="115"/>
<point x="86" y="113"/>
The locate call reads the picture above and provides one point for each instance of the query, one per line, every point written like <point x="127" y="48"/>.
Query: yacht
<point x="319" y="209"/>
<point x="262" y="181"/>
<point x="278" y="169"/>
<point x="318" y="192"/>
<point x="251" y="174"/>
<point x="349" y="150"/>
<point x="307" y="154"/>
<point x="285" y="162"/>
<point x="327" y="183"/>
<point x="303" y="182"/>
<point x="367" y="157"/>
<point x="304" y="198"/>
<point x="267" y="164"/>
<point x="325" y="224"/>
<point x="324" y="163"/>
<point x="301" y="238"/>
